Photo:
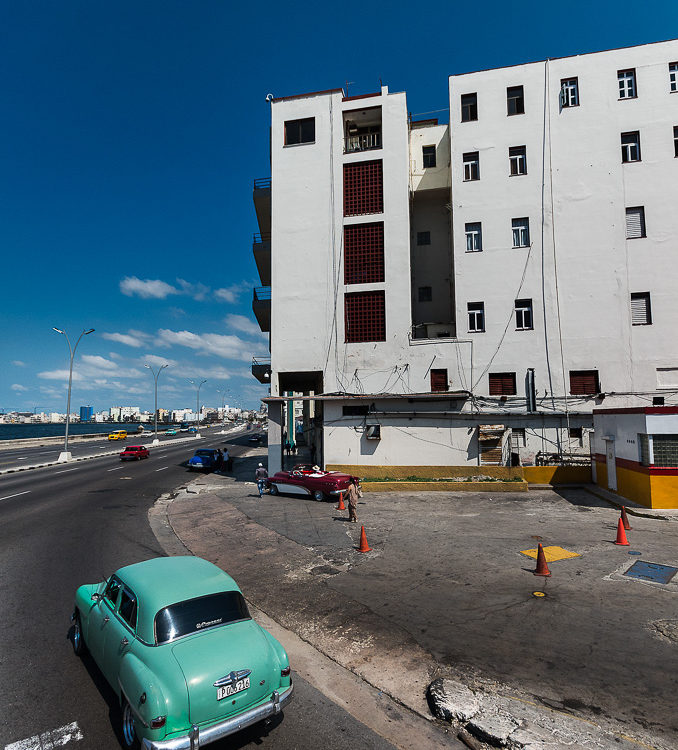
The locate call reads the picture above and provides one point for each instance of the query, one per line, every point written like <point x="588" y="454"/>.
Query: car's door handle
<point x="124" y="642"/>
<point x="106" y="619"/>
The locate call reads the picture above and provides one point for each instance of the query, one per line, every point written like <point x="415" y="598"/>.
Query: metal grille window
<point x="425" y="294"/>
<point x="630" y="146"/>
<point x="641" y="311"/>
<point x="469" y="107"/>
<point x="524" y="315"/>
<point x="476" y="317"/>
<point x="364" y="253"/>
<point x="474" y="237"/>
<point x="521" y="232"/>
<point x="300" y="131"/>
<point x="515" y="100"/>
<point x="423" y="238"/>
<point x="429" y="156"/>
<point x="364" y="316"/>
<point x="673" y="76"/>
<point x="363" y="188"/>
<point x="665" y="450"/>
<point x="627" y="83"/>
<point x="471" y="166"/>
<point x="569" y="92"/>
<point x="584" y="382"/>
<point x="502" y="383"/>
<point x="635" y="222"/>
<point x="518" y="160"/>
<point x="518" y="437"/>
<point x="439" y="380"/>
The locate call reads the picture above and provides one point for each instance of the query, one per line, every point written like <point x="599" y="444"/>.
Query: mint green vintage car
<point x="175" y="640"/>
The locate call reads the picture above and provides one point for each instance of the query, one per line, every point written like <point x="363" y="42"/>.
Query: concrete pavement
<point x="446" y="594"/>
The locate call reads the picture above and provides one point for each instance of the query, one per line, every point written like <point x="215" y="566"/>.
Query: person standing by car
<point x="227" y="460"/>
<point x="352" y="497"/>
<point x="260" y="477"/>
<point x="220" y="459"/>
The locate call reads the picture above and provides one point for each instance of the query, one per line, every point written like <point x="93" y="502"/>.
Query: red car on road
<point x="307" y="480"/>
<point x="134" y="451"/>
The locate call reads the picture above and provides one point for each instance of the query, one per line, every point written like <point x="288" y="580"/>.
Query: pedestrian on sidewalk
<point x="352" y="497"/>
<point x="220" y="459"/>
<point x="227" y="460"/>
<point x="260" y="477"/>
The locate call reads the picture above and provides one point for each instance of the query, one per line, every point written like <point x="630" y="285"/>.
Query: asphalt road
<point x="70" y="524"/>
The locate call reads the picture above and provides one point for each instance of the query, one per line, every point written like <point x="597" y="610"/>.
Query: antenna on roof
<point x="347" y="84"/>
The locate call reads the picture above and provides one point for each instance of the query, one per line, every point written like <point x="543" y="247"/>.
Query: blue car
<point x="205" y="459"/>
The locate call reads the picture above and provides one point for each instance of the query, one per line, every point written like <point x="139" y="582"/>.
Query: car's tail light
<point x="285" y="672"/>
<point x="158" y="722"/>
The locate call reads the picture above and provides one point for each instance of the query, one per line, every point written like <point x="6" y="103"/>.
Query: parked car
<point x="175" y="641"/>
<point x="134" y="451"/>
<point x="192" y="430"/>
<point x="205" y="459"/>
<point x="255" y="439"/>
<point x="171" y="431"/>
<point x="305" y="480"/>
<point x="118" y="435"/>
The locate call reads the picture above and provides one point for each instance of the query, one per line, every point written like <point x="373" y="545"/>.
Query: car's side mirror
<point x="96" y="597"/>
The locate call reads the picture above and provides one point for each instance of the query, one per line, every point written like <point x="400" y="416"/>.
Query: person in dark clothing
<point x="220" y="459"/>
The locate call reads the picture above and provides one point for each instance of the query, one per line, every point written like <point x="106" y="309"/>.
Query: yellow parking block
<point x="552" y="554"/>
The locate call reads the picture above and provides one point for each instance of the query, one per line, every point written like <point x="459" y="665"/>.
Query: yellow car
<point x="118" y="435"/>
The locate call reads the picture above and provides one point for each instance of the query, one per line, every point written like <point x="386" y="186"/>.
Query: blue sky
<point x="130" y="136"/>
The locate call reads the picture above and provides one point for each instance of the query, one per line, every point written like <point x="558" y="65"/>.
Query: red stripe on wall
<point x="624" y="463"/>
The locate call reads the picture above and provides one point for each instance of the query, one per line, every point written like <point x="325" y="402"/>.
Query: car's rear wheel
<point x="274" y="489"/>
<point x="319" y="496"/>
<point x="129" y="737"/>
<point x="79" y="647"/>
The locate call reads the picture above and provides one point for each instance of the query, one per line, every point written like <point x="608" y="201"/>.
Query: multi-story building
<point x="467" y="293"/>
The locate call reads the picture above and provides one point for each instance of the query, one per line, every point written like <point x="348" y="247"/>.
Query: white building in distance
<point x="464" y="294"/>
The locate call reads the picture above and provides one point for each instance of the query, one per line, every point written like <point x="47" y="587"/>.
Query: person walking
<point x="352" y="498"/>
<point x="220" y="459"/>
<point x="227" y="461"/>
<point x="260" y="477"/>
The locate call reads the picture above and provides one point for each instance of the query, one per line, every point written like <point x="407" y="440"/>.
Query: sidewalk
<point x="429" y="602"/>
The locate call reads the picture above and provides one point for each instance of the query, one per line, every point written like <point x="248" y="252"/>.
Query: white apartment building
<point x="462" y="294"/>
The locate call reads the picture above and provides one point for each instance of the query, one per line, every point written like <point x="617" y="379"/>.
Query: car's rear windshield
<point x="204" y="453"/>
<point x="195" y="615"/>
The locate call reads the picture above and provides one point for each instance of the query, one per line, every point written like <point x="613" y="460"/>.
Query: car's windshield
<point x="204" y="453"/>
<point x="195" y="615"/>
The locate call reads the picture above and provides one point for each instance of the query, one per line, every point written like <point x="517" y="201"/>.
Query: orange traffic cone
<point x="364" y="547"/>
<point x="621" y="534"/>
<point x="625" y="519"/>
<point x="542" y="567"/>
<point x="341" y="505"/>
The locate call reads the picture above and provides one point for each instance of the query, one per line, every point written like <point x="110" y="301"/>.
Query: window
<point x="518" y="437"/>
<point x="521" y="232"/>
<point x="524" y="315"/>
<point x="471" y="166"/>
<point x="630" y="146"/>
<point x="469" y="107"/>
<point x="474" y="237"/>
<point x="635" y="222"/>
<point x="627" y="84"/>
<point x="423" y="238"/>
<point x="111" y="592"/>
<point x="569" y="92"/>
<point x="429" y="156"/>
<point x="502" y="384"/>
<point x="667" y="377"/>
<point x="584" y="382"/>
<point x="364" y="316"/>
<point x="476" y="317"/>
<point x="675" y="141"/>
<point x="355" y="411"/>
<point x="128" y="608"/>
<point x="300" y="131"/>
<point x="518" y="160"/>
<point x="673" y="76"/>
<point x="196" y="615"/>
<point x="364" y="253"/>
<point x="641" y="312"/>
<point x="515" y="100"/>
<point x="664" y="450"/>
<point x="363" y="188"/>
<point x="644" y="447"/>
<point x="425" y="294"/>
<point x="576" y="433"/>
<point x="439" y="380"/>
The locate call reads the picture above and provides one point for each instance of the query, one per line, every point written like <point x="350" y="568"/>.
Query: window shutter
<point x="640" y="309"/>
<point x="502" y="383"/>
<point x="438" y="380"/>
<point x="635" y="222"/>
<point x="584" y="382"/>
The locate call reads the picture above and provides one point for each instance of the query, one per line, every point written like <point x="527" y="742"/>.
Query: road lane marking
<point x="64" y="471"/>
<point x="21" y="458"/>
<point x="46" y="453"/>
<point x="7" y="497"/>
<point x="49" y="740"/>
<point x="165" y="456"/>
<point x="115" y="468"/>
<point x="163" y="468"/>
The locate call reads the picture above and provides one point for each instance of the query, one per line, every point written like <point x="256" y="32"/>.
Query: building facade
<point x="467" y="294"/>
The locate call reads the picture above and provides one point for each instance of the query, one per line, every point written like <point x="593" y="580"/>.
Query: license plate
<point x="227" y="690"/>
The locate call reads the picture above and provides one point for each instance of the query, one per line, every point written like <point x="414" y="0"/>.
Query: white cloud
<point x="230" y="293"/>
<point x="146" y="289"/>
<point x="244" y="324"/>
<point x="18" y="363"/>
<point x="90" y="368"/>
<point x="198" y="291"/>
<point x="229" y="347"/>
<point x="136" y="339"/>
<point x="19" y="388"/>
<point x="155" y="361"/>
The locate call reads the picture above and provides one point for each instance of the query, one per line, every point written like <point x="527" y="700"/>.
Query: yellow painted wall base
<point x="444" y="486"/>
<point x="557" y="474"/>
<point x="651" y="490"/>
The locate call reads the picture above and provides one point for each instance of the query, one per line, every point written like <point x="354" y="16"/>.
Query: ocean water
<point x="19" y="431"/>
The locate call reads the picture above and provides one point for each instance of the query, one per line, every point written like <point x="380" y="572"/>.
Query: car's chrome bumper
<point x="197" y="737"/>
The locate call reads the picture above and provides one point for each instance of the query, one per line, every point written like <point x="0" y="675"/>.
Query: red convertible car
<point x="309" y="480"/>
<point x="134" y="452"/>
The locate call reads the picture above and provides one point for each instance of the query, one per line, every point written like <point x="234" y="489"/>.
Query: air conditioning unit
<point x="373" y="432"/>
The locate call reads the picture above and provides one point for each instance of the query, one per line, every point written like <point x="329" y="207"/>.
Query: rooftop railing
<point x="262" y="183"/>
<point x="261" y="294"/>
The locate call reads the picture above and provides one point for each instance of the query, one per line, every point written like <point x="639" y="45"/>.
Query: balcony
<point x="262" y="204"/>
<point x="362" y="142"/>
<point x="261" y="369"/>
<point x="261" y="247"/>
<point x="261" y="307"/>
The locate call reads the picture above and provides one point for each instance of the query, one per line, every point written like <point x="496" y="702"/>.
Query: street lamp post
<point x="155" y="378"/>
<point x="65" y="455"/>
<point x="197" y="405"/>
